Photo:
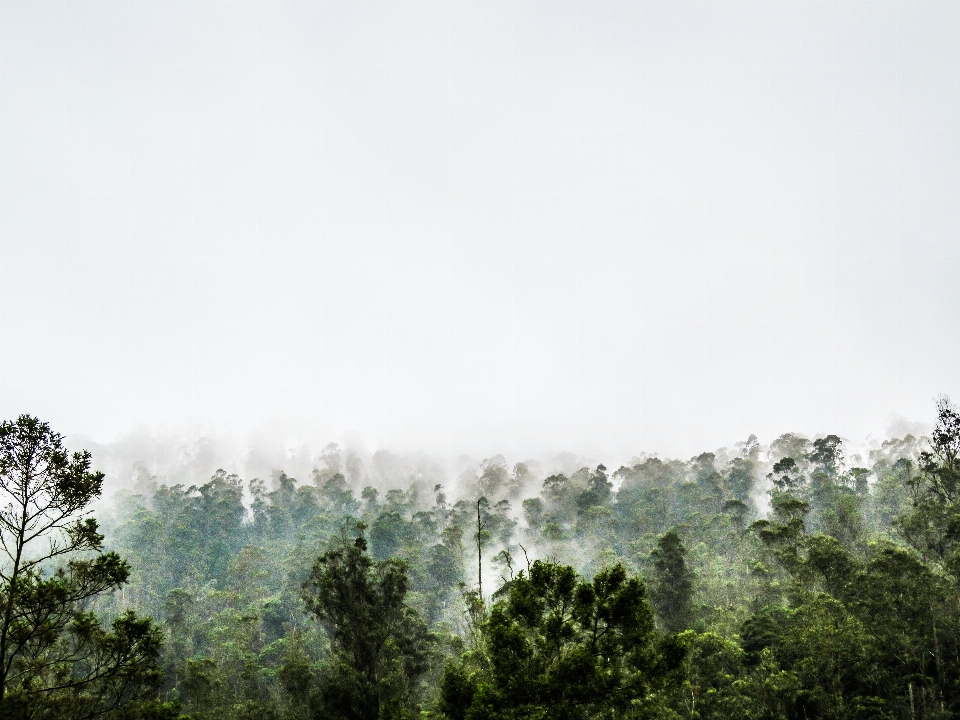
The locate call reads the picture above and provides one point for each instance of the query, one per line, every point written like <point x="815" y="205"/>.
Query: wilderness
<point x="479" y="360"/>
<point x="790" y="580"/>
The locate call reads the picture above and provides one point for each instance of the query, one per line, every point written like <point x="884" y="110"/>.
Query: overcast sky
<point x="482" y="226"/>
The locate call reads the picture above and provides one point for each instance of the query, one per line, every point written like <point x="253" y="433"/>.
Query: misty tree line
<point x="787" y="581"/>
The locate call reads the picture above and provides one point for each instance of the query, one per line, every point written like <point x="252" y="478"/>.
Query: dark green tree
<point x="557" y="646"/>
<point x="671" y="589"/>
<point x="380" y="646"/>
<point x="57" y="658"/>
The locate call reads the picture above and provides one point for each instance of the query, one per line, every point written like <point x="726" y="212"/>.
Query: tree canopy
<point x="792" y="580"/>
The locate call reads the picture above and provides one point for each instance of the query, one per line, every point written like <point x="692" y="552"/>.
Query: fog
<point x="477" y="227"/>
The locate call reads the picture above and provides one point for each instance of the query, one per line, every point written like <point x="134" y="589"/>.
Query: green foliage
<point x="58" y="659"/>
<point x="672" y="584"/>
<point x="788" y="581"/>
<point x="714" y="678"/>
<point x="558" y="646"/>
<point x="379" y="644"/>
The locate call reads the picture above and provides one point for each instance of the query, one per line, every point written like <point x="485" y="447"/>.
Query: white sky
<point x="482" y="226"/>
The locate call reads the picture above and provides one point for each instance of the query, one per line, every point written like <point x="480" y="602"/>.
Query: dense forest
<point x="790" y="580"/>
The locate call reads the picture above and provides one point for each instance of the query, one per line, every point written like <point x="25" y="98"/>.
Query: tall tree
<point x="672" y="587"/>
<point x="58" y="659"/>
<point x="380" y="646"/>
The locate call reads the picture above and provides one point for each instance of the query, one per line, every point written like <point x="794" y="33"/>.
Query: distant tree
<point x="555" y="488"/>
<point x="750" y="448"/>
<point x="354" y="468"/>
<point x="444" y="573"/>
<point x="338" y="495"/>
<point x="494" y="477"/>
<point x="829" y="490"/>
<point x="370" y="496"/>
<point x="188" y="535"/>
<point x="789" y="445"/>
<point x="786" y="477"/>
<point x="740" y="479"/>
<point x="827" y="455"/>
<point x="672" y="584"/>
<point x="332" y="461"/>
<point x="387" y="534"/>
<point x="57" y="658"/>
<point x="785" y="534"/>
<point x="599" y="489"/>
<point x="520" y="479"/>
<point x="533" y="513"/>
<point x="380" y="646"/>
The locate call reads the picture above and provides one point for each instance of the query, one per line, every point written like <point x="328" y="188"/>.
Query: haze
<point x="507" y="227"/>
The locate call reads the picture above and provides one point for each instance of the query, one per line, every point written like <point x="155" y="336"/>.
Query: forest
<point x="794" y="580"/>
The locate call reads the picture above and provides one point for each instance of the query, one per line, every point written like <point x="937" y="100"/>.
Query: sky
<point x="494" y="226"/>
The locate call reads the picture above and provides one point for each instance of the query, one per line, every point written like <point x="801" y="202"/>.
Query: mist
<point x="481" y="227"/>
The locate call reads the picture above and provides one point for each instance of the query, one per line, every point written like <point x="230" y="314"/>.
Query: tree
<point x="557" y="646"/>
<point x="740" y="479"/>
<point x="672" y="587"/>
<point x="786" y="477"/>
<point x="933" y="525"/>
<point x="444" y="573"/>
<point x="57" y="658"/>
<point x="834" y="658"/>
<point x="388" y="533"/>
<point x="380" y="646"/>
<point x="710" y="688"/>
<point x="827" y="455"/>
